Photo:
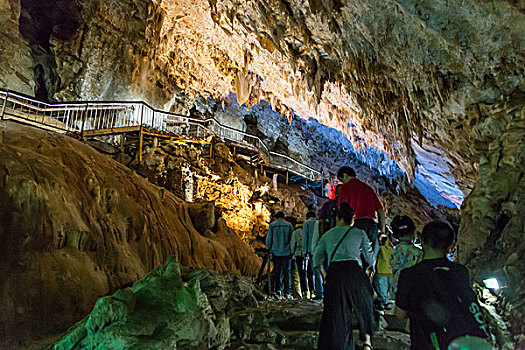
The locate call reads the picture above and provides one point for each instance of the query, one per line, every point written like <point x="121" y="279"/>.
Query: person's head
<point x="310" y="214"/>
<point x="291" y="220"/>
<point x="403" y="227"/>
<point x="345" y="174"/>
<point x="345" y="215"/>
<point x="279" y="215"/>
<point x="438" y="236"/>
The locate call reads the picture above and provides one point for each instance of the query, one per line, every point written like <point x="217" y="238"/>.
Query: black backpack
<point x="452" y="309"/>
<point x="329" y="222"/>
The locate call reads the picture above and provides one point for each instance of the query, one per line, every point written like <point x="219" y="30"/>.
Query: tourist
<point x="365" y="203"/>
<point x="327" y="220"/>
<point x="308" y="232"/>
<point x="298" y="275"/>
<point x="328" y="213"/>
<point x="278" y="243"/>
<point x="405" y="254"/>
<point x="383" y="276"/>
<point x="347" y="289"/>
<point x="436" y="295"/>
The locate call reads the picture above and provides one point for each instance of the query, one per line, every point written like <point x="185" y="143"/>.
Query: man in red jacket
<point x="365" y="203"/>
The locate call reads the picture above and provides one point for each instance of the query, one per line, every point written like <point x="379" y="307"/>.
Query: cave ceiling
<point x="421" y="81"/>
<point x="406" y="77"/>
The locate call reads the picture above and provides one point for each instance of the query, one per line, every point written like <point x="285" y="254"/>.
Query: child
<point x="437" y="296"/>
<point x="383" y="277"/>
<point x="405" y="254"/>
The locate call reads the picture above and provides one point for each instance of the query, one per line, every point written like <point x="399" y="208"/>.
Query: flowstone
<point x="167" y="309"/>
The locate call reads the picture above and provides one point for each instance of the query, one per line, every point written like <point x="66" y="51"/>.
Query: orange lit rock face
<point x="247" y="219"/>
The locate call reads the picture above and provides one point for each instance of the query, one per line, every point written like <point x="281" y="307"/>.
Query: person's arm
<point x="403" y="297"/>
<point x="319" y="257"/>
<point x="315" y="237"/>
<point x="381" y="218"/>
<point x="269" y="238"/>
<point x="366" y="249"/>
<point x="394" y="261"/>
<point x="293" y="243"/>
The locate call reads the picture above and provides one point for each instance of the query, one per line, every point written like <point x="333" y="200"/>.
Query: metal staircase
<point x="85" y="119"/>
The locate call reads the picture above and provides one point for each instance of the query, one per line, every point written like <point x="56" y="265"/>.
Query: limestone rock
<point x="77" y="225"/>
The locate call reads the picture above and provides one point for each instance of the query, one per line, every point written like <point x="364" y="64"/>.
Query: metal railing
<point x="86" y="117"/>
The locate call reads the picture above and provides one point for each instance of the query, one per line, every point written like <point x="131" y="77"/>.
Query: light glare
<point x="491" y="283"/>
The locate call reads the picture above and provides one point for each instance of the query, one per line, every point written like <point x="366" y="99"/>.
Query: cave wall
<point x="437" y="85"/>
<point x="16" y="64"/>
<point x="76" y="225"/>
<point x="492" y="231"/>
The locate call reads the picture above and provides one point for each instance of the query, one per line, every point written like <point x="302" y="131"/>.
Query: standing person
<point x="383" y="276"/>
<point x="278" y="242"/>
<point x="298" y="275"/>
<point x="328" y="213"/>
<point x="347" y="288"/>
<point x="437" y="296"/>
<point x="365" y="203"/>
<point x="308" y="232"/>
<point x="405" y="254"/>
<point x="327" y="220"/>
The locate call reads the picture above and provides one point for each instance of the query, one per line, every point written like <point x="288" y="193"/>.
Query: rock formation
<point x="435" y="85"/>
<point x="173" y="307"/>
<point x="76" y="225"/>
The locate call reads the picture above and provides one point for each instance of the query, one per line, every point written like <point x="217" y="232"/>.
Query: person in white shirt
<point x="347" y="287"/>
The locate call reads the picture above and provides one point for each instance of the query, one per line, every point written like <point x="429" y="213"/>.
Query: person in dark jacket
<point x="278" y="242"/>
<point x="437" y="296"/>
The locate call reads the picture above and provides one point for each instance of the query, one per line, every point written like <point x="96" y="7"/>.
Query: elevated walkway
<point x="88" y="119"/>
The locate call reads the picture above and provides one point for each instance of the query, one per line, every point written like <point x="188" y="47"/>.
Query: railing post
<point x="153" y="120"/>
<point x="141" y="113"/>
<point x="4" y="104"/>
<point x="141" y="132"/>
<point x="83" y="122"/>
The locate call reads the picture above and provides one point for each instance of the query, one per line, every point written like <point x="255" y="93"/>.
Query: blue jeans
<point x="281" y="267"/>
<point x="382" y="287"/>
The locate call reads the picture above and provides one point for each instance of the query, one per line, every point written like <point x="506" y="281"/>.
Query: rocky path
<point x="294" y="324"/>
<point x="181" y="308"/>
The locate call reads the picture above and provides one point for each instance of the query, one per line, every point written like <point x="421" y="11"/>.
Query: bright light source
<point x="491" y="283"/>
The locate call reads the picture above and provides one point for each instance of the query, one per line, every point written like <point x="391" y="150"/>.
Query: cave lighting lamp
<point x="491" y="283"/>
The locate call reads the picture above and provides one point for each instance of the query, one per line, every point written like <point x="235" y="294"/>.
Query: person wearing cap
<point x="363" y="200"/>
<point x="405" y="254"/>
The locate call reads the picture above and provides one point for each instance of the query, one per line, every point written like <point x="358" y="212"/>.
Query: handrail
<point x="84" y="116"/>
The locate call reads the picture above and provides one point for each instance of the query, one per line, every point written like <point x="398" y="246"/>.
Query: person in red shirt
<point x="365" y="203"/>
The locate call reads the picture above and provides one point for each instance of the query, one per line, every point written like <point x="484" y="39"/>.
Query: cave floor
<point x="294" y="324"/>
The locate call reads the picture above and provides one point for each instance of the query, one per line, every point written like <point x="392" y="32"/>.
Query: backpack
<point x="453" y="310"/>
<point x="329" y="222"/>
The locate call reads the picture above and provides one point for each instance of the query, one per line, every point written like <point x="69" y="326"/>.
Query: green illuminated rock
<point x="165" y="309"/>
